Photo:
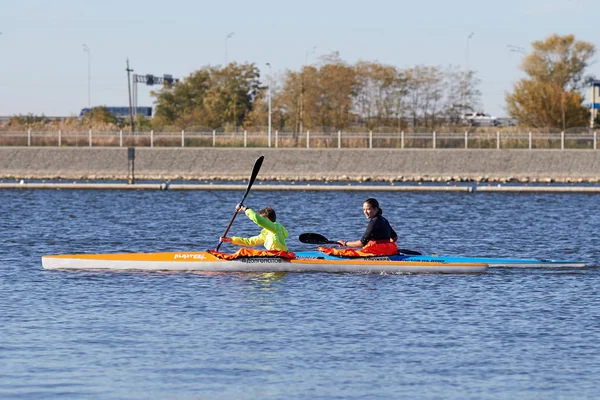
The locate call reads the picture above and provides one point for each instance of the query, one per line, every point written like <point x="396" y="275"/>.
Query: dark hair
<point x="268" y="213"/>
<point x="375" y="204"/>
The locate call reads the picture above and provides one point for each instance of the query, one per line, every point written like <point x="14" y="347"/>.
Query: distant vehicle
<point x="479" y="119"/>
<point x="122" y="112"/>
<point x="506" y="122"/>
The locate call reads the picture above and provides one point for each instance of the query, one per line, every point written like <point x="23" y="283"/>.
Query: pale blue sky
<point x="44" y="69"/>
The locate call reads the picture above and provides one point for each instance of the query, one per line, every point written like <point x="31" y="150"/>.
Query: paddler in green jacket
<point x="273" y="234"/>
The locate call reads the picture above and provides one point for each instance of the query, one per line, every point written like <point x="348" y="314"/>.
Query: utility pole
<point x="129" y="70"/>
<point x="229" y="35"/>
<point x="467" y="54"/>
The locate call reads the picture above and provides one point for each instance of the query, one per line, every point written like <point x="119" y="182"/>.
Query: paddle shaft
<point x="257" y="165"/>
<point x="315" y="238"/>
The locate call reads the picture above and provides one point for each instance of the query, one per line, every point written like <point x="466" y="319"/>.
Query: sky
<point x="44" y="64"/>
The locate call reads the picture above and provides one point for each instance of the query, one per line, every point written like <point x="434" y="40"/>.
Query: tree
<point x="212" y="97"/>
<point x="461" y="93"/>
<point x="551" y="96"/>
<point x="336" y="88"/>
<point x="379" y="94"/>
<point x="99" y="115"/>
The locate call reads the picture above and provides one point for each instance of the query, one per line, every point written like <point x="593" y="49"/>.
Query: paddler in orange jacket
<point x="273" y="234"/>
<point x="379" y="237"/>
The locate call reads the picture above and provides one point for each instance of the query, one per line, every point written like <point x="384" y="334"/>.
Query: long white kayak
<point x="204" y="261"/>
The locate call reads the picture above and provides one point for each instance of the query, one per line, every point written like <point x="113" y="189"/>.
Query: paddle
<point x="257" y="165"/>
<point x="315" y="238"/>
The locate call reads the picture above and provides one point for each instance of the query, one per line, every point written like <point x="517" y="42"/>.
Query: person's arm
<point x="355" y="243"/>
<point x="261" y="221"/>
<point x="394" y="234"/>
<point x="251" y="241"/>
<point x="363" y="241"/>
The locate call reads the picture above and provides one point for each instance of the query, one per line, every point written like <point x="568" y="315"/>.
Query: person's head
<point x="268" y="213"/>
<point x="371" y="208"/>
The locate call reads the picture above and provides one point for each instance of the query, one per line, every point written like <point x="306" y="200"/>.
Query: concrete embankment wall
<point x="302" y="164"/>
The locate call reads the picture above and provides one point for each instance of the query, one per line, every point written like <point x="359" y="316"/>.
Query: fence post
<point x="466" y="139"/>
<point x="152" y="138"/>
<point x="498" y="140"/>
<point x="434" y="138"/>
<point x="308" y="139"/>
<point x="182" y="138"/>
<point x="121" y="138"/>
<point x="276" y="138"/>
<point x="90" y="137"/>
<point x="214" y="138"/>
<point x="595" y="140"/>
<point x="28" y="137"/>
<point x="245" y="138"/>
<point x="370" y="139"/>
<point x="402" y="140"/>
<point x="339" y="139"/>
<point x="562" y="140"/>
<point x="530" y="140"/>
<point x="59" y="137"/>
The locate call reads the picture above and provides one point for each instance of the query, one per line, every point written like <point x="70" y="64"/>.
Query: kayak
<point x="304" y="262"/>
<point x="491" y="262"/>
<point x="497" y="262"/>
<point x="411" y="255"/>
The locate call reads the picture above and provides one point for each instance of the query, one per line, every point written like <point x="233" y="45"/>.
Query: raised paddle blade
<point x="257" y="165"/>
<point x="314" y="238"/>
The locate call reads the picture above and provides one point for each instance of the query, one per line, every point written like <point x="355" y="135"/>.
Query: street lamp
<point x="467" y="55"/>
<point x="229" y="35"/>
<point x="87" y="50"/>
<point x="269" y="94"/>
<point x="516" y="49"/>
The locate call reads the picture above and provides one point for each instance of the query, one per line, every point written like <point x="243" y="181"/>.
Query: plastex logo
<point x="188" y="256"/>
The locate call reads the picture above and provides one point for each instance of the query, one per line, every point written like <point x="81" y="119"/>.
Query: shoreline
<point x="303" y="165"/>
<point x="302" y="187"/>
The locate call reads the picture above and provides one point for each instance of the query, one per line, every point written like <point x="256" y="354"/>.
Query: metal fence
<point x="371" y="140"/>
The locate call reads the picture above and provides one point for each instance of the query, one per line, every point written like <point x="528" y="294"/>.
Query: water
<point x="100" y="335"/>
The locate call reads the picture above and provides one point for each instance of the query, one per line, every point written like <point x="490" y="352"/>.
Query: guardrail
<point x="401" y="140"/>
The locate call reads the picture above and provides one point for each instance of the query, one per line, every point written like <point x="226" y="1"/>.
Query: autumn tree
<point x="335" y="90"/>
<point x="550" y="96"/>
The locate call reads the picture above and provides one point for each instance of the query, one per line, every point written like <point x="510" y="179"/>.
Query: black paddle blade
<point x="314" y="238"/>
<point x="410" y="252"/>
<point x="257" y="165"/>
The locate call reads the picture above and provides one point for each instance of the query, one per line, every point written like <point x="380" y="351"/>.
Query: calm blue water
<point x="507" y="334"/>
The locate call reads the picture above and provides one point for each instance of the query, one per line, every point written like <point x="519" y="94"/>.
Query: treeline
<point x="329" y="95"/>
<point x="335" y="95"/>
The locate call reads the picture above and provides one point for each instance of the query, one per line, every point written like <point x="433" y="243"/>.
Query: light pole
<point x="87" y="50"/>
<point x="467" y="55"/>
<point x="269" y="94"/>
<point x="516" y="49"/>
<point x="229" y="35"/>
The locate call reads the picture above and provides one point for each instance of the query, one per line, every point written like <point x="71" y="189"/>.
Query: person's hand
<point x="341" y="243"/>
<point x="225" y="239"/>
<point x="240" y="208"/>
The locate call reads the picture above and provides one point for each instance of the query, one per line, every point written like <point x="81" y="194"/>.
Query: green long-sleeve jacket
<point x="273" y="234"/>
